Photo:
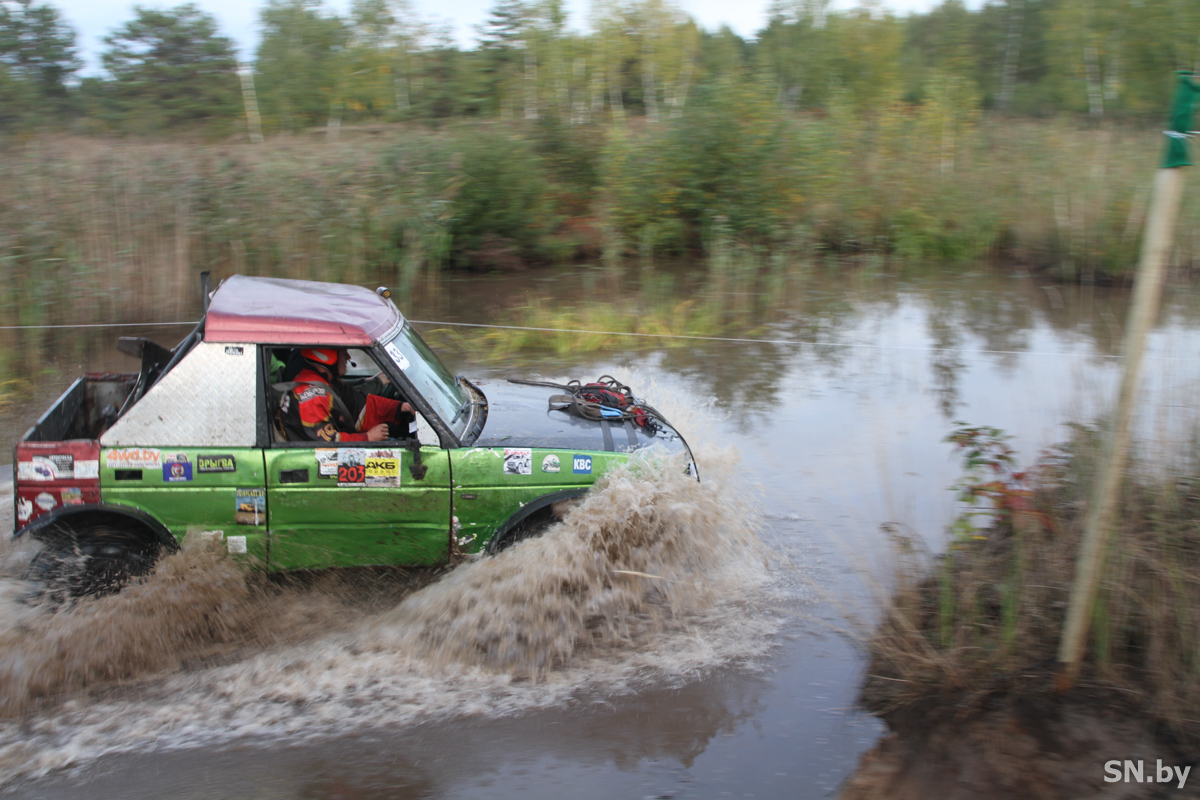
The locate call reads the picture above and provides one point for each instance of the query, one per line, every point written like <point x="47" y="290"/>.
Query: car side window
<point x="361" y="366"/>
<point x="284" y="364"/>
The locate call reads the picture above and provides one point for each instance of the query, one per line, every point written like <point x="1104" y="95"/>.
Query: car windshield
<point x="430" y="377"/>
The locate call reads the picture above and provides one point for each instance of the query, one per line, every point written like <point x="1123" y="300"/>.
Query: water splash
<point x="652" y="579"/>
<point x="649" y="547"/>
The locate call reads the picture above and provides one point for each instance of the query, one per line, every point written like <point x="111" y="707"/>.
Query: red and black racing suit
<point x="309" y="411"/>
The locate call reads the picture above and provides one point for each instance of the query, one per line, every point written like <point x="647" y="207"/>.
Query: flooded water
<point x="669" y="639"/>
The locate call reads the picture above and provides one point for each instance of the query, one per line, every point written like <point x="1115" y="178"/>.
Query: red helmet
<point x="322" y="355"/>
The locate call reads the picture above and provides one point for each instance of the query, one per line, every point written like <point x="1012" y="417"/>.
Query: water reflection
<point x="461" y="758"/>
<point x="945" y="358"/>
<point x="815" y="316"/>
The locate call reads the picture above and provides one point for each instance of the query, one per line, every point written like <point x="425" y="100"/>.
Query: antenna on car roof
<point x="205" y="289"/>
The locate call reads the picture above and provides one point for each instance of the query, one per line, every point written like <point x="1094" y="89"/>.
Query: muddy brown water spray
<point x="649" y="547"/>
<point x="651" y="577"/>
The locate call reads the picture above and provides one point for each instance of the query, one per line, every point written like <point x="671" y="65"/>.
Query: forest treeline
<point x="173" y="69"/>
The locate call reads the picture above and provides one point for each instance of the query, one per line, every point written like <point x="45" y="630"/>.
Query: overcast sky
<point x="238" y="19"/>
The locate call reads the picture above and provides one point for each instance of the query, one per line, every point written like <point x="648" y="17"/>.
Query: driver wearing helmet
<point x="319" y="406"/>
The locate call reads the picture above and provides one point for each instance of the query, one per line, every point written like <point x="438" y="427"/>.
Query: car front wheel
<point x="532" y="526"/>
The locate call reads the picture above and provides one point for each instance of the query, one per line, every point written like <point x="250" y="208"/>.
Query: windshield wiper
<point x="470" y="402"/>
<point x="466" y="404"/>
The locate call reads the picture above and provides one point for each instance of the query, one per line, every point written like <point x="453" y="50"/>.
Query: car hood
<point x="519" y="415"/>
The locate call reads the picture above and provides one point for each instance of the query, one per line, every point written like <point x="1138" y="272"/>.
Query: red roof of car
<point x="282" y="311"/>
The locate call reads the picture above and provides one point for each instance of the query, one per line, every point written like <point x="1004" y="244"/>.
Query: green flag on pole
<point x="1179" y="121"/>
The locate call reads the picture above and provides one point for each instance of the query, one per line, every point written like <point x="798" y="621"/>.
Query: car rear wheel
<point x="97" y="560"/>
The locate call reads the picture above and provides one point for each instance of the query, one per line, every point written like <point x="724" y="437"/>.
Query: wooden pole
<point x="1160" y="226"/>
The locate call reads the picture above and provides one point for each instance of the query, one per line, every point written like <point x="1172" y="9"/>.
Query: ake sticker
<point x="233" y="350"/>
<point x="397" y="356"/>
<point x="251" y="508"/>
<point x="221" y="463"/>
<point x="45" y="501"/>
<point x="72" y="497"/>
<point x="550" y="463"/>
<point x="518" y="461"/>
<point x="133" y="458"/>
<point x="327" y="466"/>
<point x="351" y="466"/>
<point x="383" y="468"/>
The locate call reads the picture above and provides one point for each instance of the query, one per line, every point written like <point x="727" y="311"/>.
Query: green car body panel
<point x="190" y="444"/>
<point x="314" y="521"/>
<point x="485" y="497"/>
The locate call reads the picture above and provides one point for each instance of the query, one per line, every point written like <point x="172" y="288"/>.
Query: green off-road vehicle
<point x="124" y="465"/>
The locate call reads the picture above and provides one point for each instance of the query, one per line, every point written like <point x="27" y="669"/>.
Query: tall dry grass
<point x="109" y="230"/>
<point x="113" y="230"/>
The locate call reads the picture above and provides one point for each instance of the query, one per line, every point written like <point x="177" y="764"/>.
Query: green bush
<point x="732" y="155"/>
<point x="500" y="200"/>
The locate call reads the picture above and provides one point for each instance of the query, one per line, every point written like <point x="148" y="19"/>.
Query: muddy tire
<point x="97" y="560"/>
<point x="532" y="526"/>
<point x="50" y="571"/>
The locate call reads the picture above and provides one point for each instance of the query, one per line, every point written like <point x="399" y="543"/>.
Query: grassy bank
<point x="736" y="291"/>
<point x="122" y="227"/>
<point x="979" y="627"/>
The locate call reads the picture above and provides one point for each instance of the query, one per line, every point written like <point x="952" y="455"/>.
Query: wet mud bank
<point x="963" y="664"/>
<point x="1047" y="748"/>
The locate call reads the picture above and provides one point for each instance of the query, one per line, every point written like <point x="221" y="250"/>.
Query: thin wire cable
<point x="731" y="339"/>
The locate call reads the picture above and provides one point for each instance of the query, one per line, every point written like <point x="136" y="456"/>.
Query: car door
<point x="356" y="503"/>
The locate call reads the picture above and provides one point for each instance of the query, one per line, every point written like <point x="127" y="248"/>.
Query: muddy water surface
<point x="732" y="672"/>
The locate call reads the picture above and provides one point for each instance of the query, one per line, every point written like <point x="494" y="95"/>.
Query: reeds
<point x="736" y="291"/>
<point x="110" y="230"/>
<point x="983" y="620"/>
